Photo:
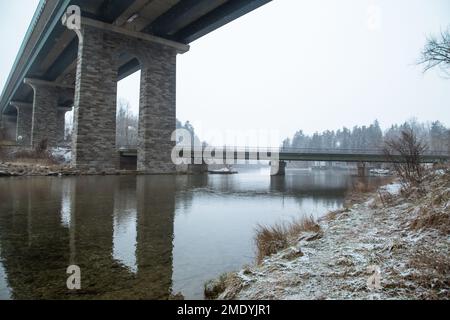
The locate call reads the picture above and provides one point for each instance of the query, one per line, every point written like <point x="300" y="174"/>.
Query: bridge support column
<point x="45" y="104"/>
<point x="278" y="168"/>
<point x="24" y="122"/>
<point x="94" y="130"/>
<point x="157" y="118"/>
<point x="362" y="169"/>
<point x="100" y="52"/>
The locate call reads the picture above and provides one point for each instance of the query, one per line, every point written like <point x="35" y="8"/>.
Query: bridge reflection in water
<point x="121" y="230"/>
<point x="49" y="224"/>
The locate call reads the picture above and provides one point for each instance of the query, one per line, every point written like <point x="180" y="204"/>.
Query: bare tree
<point x="409" y="149"/>
<point x="437" y="52"/>
<point x="127" y="125"/>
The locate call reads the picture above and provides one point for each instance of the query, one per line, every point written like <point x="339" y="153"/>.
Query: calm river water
<point x="145" y="237"/>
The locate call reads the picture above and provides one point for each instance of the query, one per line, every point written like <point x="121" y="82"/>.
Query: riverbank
<point x="400" y="238"/>
<point x="35" y="168"/>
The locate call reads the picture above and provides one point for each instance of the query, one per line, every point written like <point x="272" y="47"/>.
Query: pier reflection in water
<point x="144" y="237"/>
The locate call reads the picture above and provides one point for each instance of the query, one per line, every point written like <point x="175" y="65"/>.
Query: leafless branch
<point x="437" y="52"/>
<point x="410" y="149"/>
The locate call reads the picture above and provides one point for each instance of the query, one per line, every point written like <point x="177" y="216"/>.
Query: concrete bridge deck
<point x="342" y="155"/>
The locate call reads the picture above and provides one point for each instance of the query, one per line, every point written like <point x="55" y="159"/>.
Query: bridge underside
<point x="55" y="71"/>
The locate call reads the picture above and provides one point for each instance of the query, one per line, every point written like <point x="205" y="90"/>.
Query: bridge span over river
<point x="57" y="69"/>
<point x="75" y="52"/>
<point x="279" y="157"/>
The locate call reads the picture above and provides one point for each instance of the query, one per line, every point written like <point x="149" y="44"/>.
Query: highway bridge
<point x="303" y="154"/>
<point x="57" y="68"/>
<point x="279" y="157"/>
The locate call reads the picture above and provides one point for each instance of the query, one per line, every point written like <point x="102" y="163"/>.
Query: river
<point x="146" y="237"/>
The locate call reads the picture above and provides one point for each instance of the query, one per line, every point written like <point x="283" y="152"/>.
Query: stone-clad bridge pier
<point x="57" y="69"/>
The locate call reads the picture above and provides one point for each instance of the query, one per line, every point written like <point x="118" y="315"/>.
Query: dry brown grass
<point x="30" y="159"/>
<point x="429" y="218"/>
<point x="432" y="270"/>
<point x="39" y="155"/>
<point x="385" y="198"/>
<point x="434" y="205"/>
<point x="361" y="190"/>
<point x="270" y="240"/>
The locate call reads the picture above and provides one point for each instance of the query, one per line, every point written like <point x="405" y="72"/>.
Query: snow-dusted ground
<point x="413" y="263"/>
<point x="62" y="154"/>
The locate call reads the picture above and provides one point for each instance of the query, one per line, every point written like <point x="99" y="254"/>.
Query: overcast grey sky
<point x="297" y="64"/>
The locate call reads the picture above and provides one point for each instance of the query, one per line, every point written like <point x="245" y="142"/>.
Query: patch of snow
<point x="64" y="154"/>
<point x="393" y="188"/>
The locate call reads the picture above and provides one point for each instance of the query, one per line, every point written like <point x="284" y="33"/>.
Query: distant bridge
<point x="294" y="154"/>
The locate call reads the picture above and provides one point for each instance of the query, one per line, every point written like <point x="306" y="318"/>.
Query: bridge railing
<point x="337" y="151"/>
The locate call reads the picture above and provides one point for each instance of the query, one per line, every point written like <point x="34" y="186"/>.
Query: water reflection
<point x="144" y="237"/>
<point x="125" y="225"/>
<point x="119" y="232"/>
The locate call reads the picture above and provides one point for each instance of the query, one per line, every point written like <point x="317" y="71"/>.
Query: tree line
<point x="435" y="135"/>
<point x="127" y="126"/>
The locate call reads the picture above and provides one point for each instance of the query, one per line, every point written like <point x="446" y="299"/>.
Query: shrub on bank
<point x="273" y="239"/>
<point x="40" y="154"/>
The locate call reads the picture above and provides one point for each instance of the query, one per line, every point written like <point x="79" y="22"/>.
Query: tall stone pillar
<point x="45" y="103"/>
<point x="157" y="118"/>
<point x="94" y="131"/>
<point x="363" y="171"/>
<point x="61" y="124"/>
<point x="24" y="122"/>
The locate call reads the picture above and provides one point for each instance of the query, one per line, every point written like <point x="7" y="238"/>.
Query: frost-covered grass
<point x="272" y="239"/>
<point x="403" y="233"/>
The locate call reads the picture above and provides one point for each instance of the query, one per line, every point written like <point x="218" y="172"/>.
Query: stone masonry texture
<point x="45" y="105"/>
<point x="94" y="138"/>
<point x="157" y="118"/>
